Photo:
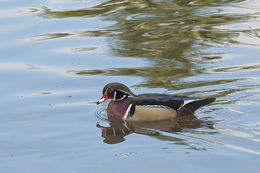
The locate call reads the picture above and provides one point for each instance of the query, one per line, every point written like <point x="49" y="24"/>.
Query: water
<point x="57" y="55"/>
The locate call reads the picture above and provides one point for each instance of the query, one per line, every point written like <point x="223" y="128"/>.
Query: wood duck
<point x="126" y="105"/>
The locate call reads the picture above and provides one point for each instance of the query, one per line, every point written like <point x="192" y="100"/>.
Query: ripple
<point x="235" y="133"/>
<point x="49" y="36"/>
<point x="101" y="112"/>
<point x="22" y="66"/>
<point x="227" y="145"/>
<point x="239" y="68"/>
<point x="45" y="93"/>
<point x="239" y="148"/>
<point x="15" y="12"/>
<point x="71" y="104"/>
<point x="66" y="50"/>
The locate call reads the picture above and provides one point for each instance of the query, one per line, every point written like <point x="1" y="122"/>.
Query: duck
<point x="126" y="105"/>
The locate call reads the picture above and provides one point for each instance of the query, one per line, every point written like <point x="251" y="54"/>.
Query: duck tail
<point x="191" y="107"/>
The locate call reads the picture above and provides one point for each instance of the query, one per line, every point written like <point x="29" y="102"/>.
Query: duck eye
<point x="110" y="90"/>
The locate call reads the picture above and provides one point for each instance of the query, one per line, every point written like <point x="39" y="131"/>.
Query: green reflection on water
<point x="173" y="35"/>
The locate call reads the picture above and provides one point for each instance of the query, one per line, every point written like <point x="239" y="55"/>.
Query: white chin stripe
<point x="127" y="112"/>
<point x="120" y="98"/>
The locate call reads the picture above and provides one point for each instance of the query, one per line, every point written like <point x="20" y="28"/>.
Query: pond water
<point x="57" y="55"/>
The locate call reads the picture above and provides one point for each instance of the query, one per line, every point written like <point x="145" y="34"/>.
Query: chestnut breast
<point x="119" y="107"/>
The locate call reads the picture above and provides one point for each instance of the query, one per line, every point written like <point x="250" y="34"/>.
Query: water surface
<point x="56" y="56"/>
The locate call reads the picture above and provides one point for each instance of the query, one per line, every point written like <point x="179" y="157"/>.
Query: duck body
<point x="148" y="107"/>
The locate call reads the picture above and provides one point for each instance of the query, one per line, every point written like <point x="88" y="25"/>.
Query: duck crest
<point x="118" y="86"/>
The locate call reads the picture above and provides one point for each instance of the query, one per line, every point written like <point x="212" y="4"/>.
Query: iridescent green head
<point x="115" y="91"/>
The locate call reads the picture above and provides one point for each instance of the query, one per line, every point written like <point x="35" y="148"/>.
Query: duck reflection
<point x="118" y="129"/>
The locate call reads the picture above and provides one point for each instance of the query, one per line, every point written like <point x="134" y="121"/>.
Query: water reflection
<point x="173" y="35"/>
<point x="118" y="129"/>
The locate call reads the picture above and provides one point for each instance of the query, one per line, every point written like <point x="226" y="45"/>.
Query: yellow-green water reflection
<point x="173" y="35"/>
<point x="57" y="55"/>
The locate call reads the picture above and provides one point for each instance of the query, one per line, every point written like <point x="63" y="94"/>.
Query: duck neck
<point x="118" y="108"/>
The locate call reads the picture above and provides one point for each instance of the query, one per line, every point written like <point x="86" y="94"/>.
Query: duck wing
<point x="172" y="101"/>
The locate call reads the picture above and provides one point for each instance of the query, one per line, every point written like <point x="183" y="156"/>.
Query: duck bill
<point x="103" y="99"/>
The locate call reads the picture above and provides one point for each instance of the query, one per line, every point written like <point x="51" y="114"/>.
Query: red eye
<point x="110" y="90"/>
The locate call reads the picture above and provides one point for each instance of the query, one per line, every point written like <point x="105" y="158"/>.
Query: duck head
<point x="115" y="91"/>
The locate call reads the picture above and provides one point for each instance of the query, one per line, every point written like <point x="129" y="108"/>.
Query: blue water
<point x="57" y="55"/>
